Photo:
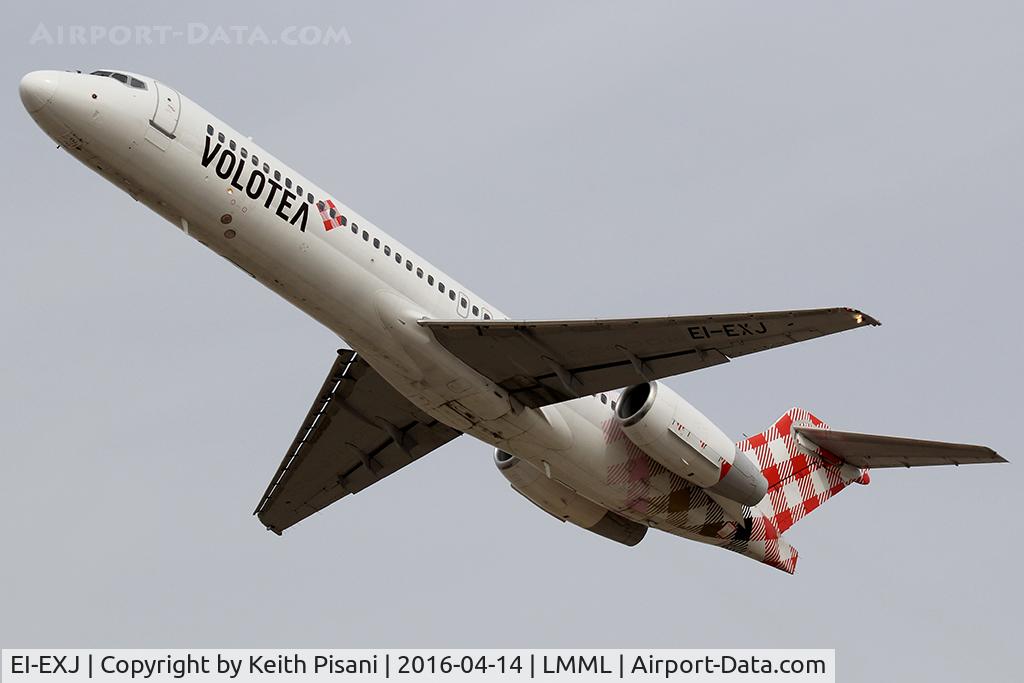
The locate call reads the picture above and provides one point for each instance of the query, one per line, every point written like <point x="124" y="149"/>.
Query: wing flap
<point x="870" y="451"/>
<point x="358" y="431"/>
<point x="544" y="362"/>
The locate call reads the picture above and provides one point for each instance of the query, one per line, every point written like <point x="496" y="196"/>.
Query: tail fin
<point x="800" y="477"/>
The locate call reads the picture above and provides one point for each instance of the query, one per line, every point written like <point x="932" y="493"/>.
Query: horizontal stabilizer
<point x="872" y="452"/>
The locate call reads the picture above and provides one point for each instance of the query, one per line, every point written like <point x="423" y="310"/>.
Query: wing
<point x="552" y="361"/>
<point x="359" y="430"/>
<point x="871" y="452"/>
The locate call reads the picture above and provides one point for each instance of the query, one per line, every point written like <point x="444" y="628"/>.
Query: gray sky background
<point x="565" y="160"/>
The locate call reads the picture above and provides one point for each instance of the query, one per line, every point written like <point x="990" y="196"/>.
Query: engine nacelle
<point x="565" y="504"/>
<point x="681" y="438"/>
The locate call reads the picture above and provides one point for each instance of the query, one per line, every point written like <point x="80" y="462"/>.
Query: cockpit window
<point x="130" y="81"/>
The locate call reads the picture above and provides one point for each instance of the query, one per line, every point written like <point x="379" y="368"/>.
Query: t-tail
<point x="806" y="462"/>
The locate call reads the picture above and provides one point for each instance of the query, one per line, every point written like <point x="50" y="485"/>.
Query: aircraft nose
<point x="37" y="89"/>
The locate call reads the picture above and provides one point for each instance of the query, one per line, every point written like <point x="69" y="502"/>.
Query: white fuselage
<point x="354" y="278"/>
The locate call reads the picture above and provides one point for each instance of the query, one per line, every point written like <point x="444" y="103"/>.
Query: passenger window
<point x="451" y="294"/>
<point x="255" y="160"/>
<point x="344" y="221"/>
<point x="604" y="399"/>
<point x="277" y="175"/>
<point x="309" y="197"/>
<point x="419" y="273"/>
<point x="333" y="212"/>
<point x="355" y="228"/>
<point x="430" y="279"/>
<point x="298" y="190"/>
<point x="320" y="205"/>
<point x="462" y="302"/>
<point x="266" y="167"/>
<point x="408" y="266"/>
<point x="288" y="183"/>
<point x="398" y="257"/>
<point x="366" y="235"/>
<point x="487" y="316"/>
<point x="476" y="310"/>
<point x="440" y="286"/>
<point x="376" y="243"/>
<point x="220" y="137"/>
<point x="387" y="250"/>
<point x="243" y="153"/>
<point x="231" y="145"/>
<point x="209" y="128"/>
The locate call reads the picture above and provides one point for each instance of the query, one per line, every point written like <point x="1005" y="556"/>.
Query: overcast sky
<point x="564" y="160"/>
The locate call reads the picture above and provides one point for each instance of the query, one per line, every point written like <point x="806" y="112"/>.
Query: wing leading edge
<point x="545" y="362"/>
<point x="358" y="431"/>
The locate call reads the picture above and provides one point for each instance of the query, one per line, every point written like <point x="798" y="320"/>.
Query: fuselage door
<point x="168" y="109"/>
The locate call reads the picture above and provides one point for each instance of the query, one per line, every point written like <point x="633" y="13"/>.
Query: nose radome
<point x="37" y="89"/>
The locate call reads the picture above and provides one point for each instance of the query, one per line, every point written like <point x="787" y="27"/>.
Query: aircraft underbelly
<point x="379" y="322"/>
<point x="358" y="301"/>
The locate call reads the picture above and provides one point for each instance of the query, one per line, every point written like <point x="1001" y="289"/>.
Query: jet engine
<point x="681" y="438"/>
<point x="564" y="504"/>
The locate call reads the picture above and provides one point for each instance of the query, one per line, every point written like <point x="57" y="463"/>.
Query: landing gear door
<point x="168" y="109"/>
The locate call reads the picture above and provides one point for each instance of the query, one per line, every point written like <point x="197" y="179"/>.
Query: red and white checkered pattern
<point x="651" y="491"/>
<point x="767" y="545"/>
<point x="799" y="480"/>
<point x="325" y="213"/>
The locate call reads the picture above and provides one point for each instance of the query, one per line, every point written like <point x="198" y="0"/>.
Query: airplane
<point x="429" y="360"/>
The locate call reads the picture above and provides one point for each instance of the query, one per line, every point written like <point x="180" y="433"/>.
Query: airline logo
<point x="257" y="185"/>
<point x="330" y="216"/>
